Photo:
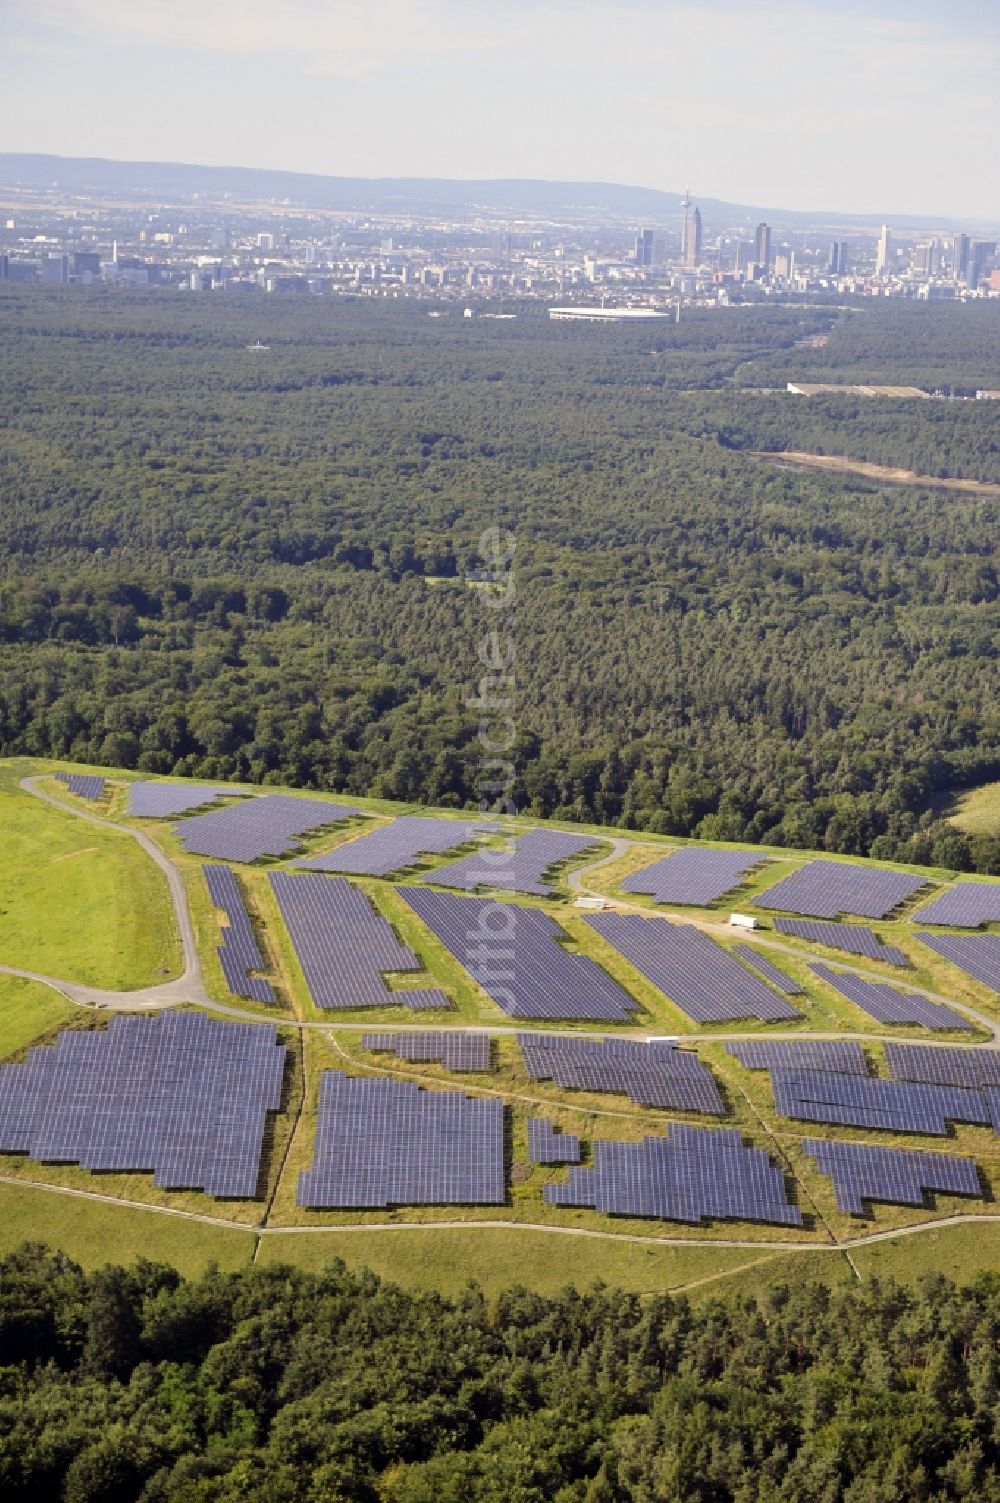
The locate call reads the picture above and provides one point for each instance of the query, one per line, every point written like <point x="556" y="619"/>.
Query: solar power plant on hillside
<point x="180" y="1095"/>
<point x="693" y="875"/>
<point x="964" y="906"/>
<point x="344" y="947"/>
<point x="853" y="939"/>
<point x="862" y="1171"/>
<point x="769" y="971"/>
<point x="863" y="1101"/>
<point x="649" y="1074"/>
<point x="520" y="870"/>
<point x="386" y="1142"/>
<point x="694" y="1174"/>
<point x="976" y="954"/>
<point x="455" y="1051"/>
<point x="546" y="1146"/>
<point x="841" y="1055"/>
<point x="393" y="848"/>
<point x="82" y="786"/>
<point x="973" y="1068"/>
<point x="265" y="826"/>
<point x="889" y="1005"/>
<point x="239" y="953"/>
<point x="168" y="800"/>
<point x="520" y="962"/>
<point x="823" y="889"/>
<point x="702" y="978"/>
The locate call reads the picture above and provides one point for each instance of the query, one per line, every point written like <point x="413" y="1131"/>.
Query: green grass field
<point x="977" y="812"/>
<point x="28" y="1010"/>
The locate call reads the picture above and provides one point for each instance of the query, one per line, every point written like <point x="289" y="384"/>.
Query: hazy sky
<point x="889" y="105"/>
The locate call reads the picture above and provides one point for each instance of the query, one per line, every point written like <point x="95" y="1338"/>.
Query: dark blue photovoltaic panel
<point x="82" y="786"/>
<point x="180" y="1095"/>
<point x="694" y="1174"/>
<point x="823" y="889"/>
<point x="976" y="954"/>
<point x="454" y="1050"/>
<point x="841" y="1055"/>
<point x="387" y="1142"/>
<point x="239" y="953"/>
<point x="694" y="875"/>
<point x="889" y="1005"/>
<point x="267" y="826"/>
<point x="702" y="978"/>
<point x="649" y="1074"/>
<point x="859" y="1101"/>
<point x="168" y="800"/>
<point x="546" y="1146"/>
<point x="346" y="948"/>
<point x="515" y="955"/>
<point x="974" y="1068"/>
<point x="862" y="1171"/>
<point x="393" y="848"/>
<point x="852" y="939"/>
<point x="964" y="906"/>
<point x="520" y="870"/>
<point x="770" y="972"/>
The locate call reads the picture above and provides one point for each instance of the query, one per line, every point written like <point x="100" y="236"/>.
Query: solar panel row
<point x="344" y="946"/>
<point x="453" y="1050"/>
<point x="863" y="1101"/>
<point x="825" y="888"/>
<point x="843" y="1056"/>
<point x="520" y="870"/>
<point x="768" y="970"/>
<point x="546" y="1146"/>
<point x="692" y="1175"/>
<point x="258" y="827"/>
<point x="168" y="800"/>
<point x="702" y="978"/>
<point x="976" y="954"/>
<point x="862" y="1171"/>
<point x="239" y="953"/>
<point x="852" y="939"/>
<point x="649" y="1074"/>
<point x="889" y="1005"/>
<point x="393" y="848"/>
<point x="82" y="786"/>
<point x="694" y="875"/>
<point x="973" y="1068"/>
<point x="964" y="906"/>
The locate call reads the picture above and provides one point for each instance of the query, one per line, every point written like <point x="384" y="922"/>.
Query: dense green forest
<point x="263" y="565"/>
<point x="276" y="1386"/>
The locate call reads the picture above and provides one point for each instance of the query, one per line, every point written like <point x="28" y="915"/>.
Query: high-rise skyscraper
<point x="693" y="256"/>
<point x="685" y="223"/>
<point x="762" y="246"/>
<point x="960" y="258"/>
<point x="883" y="256"/>
<point x="644" y="248"/>
<point x="837" y="260"/>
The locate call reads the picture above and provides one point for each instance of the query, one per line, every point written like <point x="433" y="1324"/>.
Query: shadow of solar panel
<point x="857" y="1101"/>
<point x="515" y="955"/>
<point x="267" y="826"/>
<point x="168" y="800"/>
<point x="521" y="870"/>
<point x="546" y="1146"/>
<point x="764" y="967"/>
<point x="387" y="1142"/>
<point x="889" y="1005"/>
<point x="453" y="1050"/>
<point x="976" y="954"/>
<point x="83" y="786"/>
<point x="964" y="906"/>
<point x="239" y="953"/>
<point x="825" y="888"/>
<point x="346" y="948"/>
<point x="900" y="1176"/>
<point x="695" y="875"/>
<point x="694" y="1174"/>
<point x="649" y="1074"/>
<point x="973" y="1068"/>
<point x="842" y="1056"/>
<point x="393" y="848"/>
<point x="852" y="939"/>
<point x="180" y="1095"/>
<point x="702" y="978"/>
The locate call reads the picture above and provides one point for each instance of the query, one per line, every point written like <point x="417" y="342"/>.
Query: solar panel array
<point x="180" y="1095"/>
<point x="692" y="1175"/>
<point x="520" y="870"/>
<point x="515" y="955"/>
<point x="863" y="1172"/>
<point x="344" y="946"/>
<point x="889" y="1005"/>
<point x="695" y="874"/>
<point x="841" y="1055"/>
<point x="546" y="1146"/>
<point x="168" y="800"/>
<point x="825" y="888"/>
<point x="392" y="848"/>
<point x="239" y="953"/>
<point x="453" y="1050"/>
<point x="964" y="906"/>
<point x="82" y="786"/>
<point x="702" y="978"/>
<point x="976" y="954"/>
<point x="387" y="1142"/>
<point x="265" y="826"/>
<point x="768" y="970"/>
<point x="853" y="939"/>
<point x="649" y="1074"/>
<point x="974" y="1068"/>
<point x="863" y="1101"/>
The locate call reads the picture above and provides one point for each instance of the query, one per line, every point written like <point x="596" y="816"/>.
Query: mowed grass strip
<point x="27" y="1010"/>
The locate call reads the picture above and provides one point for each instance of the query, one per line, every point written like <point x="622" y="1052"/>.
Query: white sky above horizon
<point x="881" y="107"/>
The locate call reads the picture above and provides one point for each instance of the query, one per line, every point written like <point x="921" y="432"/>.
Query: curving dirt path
<point x="837" y="464"/>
